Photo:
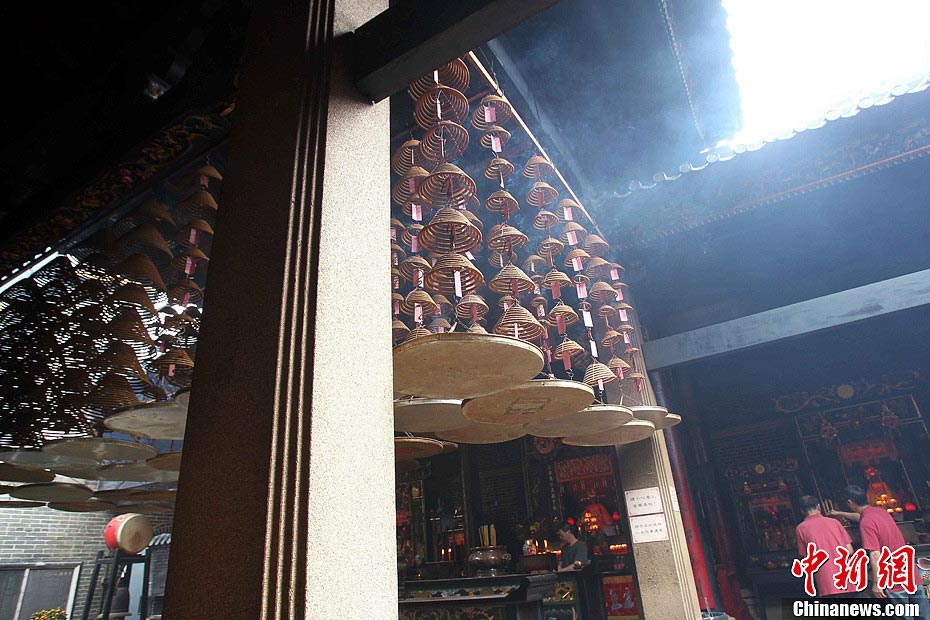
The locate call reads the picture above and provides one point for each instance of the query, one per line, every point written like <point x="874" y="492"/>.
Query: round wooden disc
<point x="406" y="448"/>
<point x="163" y="420"/>
<point x="449" y="447"/>
<point x="100" y="449"/>
<point x="167" y="461"/>
<point x="483" y="433"/>
<point x="43" y="460"/>
<point x="15" y="473"/>
<point x="85" y="472"/>
<point x="142" y="509"/>
<point x="52" y="492"/>
<point x="135" y="472"/>
<point x="533" y="401"/>
<point x="117" y="495"/>
<point x="632" y="431"/>
<point x="21" y="504"/>
<point x="90" y="505"/>
<point x="671" y="419"/>
<point x="463" y="365"/>
<point x="594" y="419"/>
<point x="182" y="397"/>
<point x="428" y="415"/>
<point x="652" y="413"/>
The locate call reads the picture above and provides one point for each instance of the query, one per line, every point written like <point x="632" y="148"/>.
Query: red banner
<point x="620" y="600"/>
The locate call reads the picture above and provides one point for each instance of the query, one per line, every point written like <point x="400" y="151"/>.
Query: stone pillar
<point x="286" y="498"/>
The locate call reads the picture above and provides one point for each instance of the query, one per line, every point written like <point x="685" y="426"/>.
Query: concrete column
<point x="286" y="498"/>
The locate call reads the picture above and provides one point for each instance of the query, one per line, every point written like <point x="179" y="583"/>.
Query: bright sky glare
<point x="800" y="61"/>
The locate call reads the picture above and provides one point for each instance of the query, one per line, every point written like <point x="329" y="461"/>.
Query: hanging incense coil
<point x="660" y="417"/>
<point x="596" y="245"/>
<point x="611" y="338"/>
<point x="550" y="247"/>
<point x="493" y="110"/>
<point x="119" y="358"/>
<point x="448" y="186"/>
<point x="398" y="254"/>
<point x="418" y="332"/>
<point x="619" y="286"/>
<point x="504" y="237"/>
<point x="443" y="305"/>
<point x="129" y="327"/>
<point x="190" y="260"/>
<point x="573" y="234"/>
<point x="199" y="205"/>
<point x="539" y="302"/>
<point x="397" y="227"/>
<point x="396" y="300"/>
<point x="517" y="321"/>
<point x="501" y="258"/>
<point x="471" y="307"/>
<point x="607" y="312"/>
<point x="454" y="74"/>
<point x="409" y="267"/>
<point x="597" y="267"/>
<point x="561" y="311"/>
<point x="506" y="301"/>
<point x="139" y="268"/>
<point x="410" y="233"/>
<point x="399" y="329"/>
<point x="149" y="212"/>
<point x="419" y="298"/>
<point x="537" y="167"/>
<point x="111" y="392"/>
<point x="511" y="280"/>
<point x="567" y="210"/>
<point x="181" y="324"/>
<point x="623" y="307"/>
<point x="103" y="241"/>
<point x="175" y="366"/>
<point x="416" y="207"/>
<point x="574" y="350"/>
<point x="208" y="171"/>
<point x="194" y="233"/>
<point x="449" y="231"/>
<point x="443" y="142"/>
<point x="545" y="220"/>
<point x="405" y="157"/>
<point x="408" y="185"/>
<point x="441" y="278"/>
<point x="616" y="271"/>
<point x="542" y="195"/>
<point x="146" y="239"/>
<point x="618" y="366"/>
<point x="577" y="259"/>
<point x="492" y="134"/>
<point x="477" y="329"/>
<point x="186" y="291"/>
<point x="498" y="169"/>
<point x="556" y="277"/>
<point x="534" y="264"/>
<point x="502" y="203"/>
<point x="439" y="325"/>
<point x="471" y="217"/>
<point x="598" y="372"/>
<point x="602" y="292"/>
<point x="483" y="433"/>
<point x="440" y="103"/>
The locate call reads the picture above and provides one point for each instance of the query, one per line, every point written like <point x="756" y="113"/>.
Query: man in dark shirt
<point x="573" y="550"/>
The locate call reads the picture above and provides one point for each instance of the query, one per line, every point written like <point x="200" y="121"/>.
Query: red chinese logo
<point x="808" y="565"/>
<point x="897" y="569"/>
<point x="853" y="569"/>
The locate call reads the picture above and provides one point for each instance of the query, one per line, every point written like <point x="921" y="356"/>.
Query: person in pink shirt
<point x="827" y="535"/>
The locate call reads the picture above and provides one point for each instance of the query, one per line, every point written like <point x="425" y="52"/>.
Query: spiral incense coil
<point x="602" y="292"/>
<point x="145" y="238"/>
<point x="416" y="200"/>
<point x="498" y="168"/>
<point x="449" y="231"/>
<point x="573" y="230"/>
<point x="111" y="391"/>
<point x="408" y="184"/>
<point x="488" y="137"/>
<point x="630" y="351"/>
<point x="194" y="233"/>
<point x="501" y="258"/>
<point x="502" y="203"/>
<point x="493" y="110"/>
<point x="448" y="186"/>
<point x="175" y="366"/>
<point x="537" y="167"/>
<point x="626" y="328"/>
<point x="440" y="103"/>
<point x="410" y="265"/>
<point x="506" y="301"/>
<point x="120" y="358"/>
<point x="418" y="332"/>
<point x="149" y="212"/>
<point x="399" y="329"/>
<point x="611" y="338"/>
<point x="597" y="267"/>
<point x="554" y="276"/>
<point x="199" y="205"/>
<point x="567" y="210"/>
<point x="396" y="300"/>
<point x="418" y="297"/>
<point x="477" y="329"/>
<point x="471" y="217"/>
<point x="139" y="268"/>
<point x="441" y="278"/>
<point x="574" y="350"/>
<point x="618" y="364"/>
<point x="397" y="254"/>
<point x="618" y="268"/>
<point x="409" y="233"/>
<point x="607" y="312"/>
<point x="545" y="220"/>
<point x="443" y="305"/>
<point x="128" y="327"/>
<point x="579" y="279"/>
<point x="189" y="260"/>
<point x="185" y="291"/>
<point x="517" y="321"/>
<point x="454" y="74"/>
<point x="443" y="142"/>
<point x="439" y="326"/>
<point x="534" y="264"/>
<point x="595" y="245"/>
<point x="625" y="307"/>
<point x="539" y="302"/>
<point x="598" y="373"/>
<point x="471" y="307"/>
<point x="550" y="248"/>
<point x="563" y="311"/>
<point x="619" y="286"/>
<point x="396" y="227"/>
<point x="511" y="280"/>
<point x="505" y="237"/>
<point x="542" y="195"/>
<point x="577" y="259"/>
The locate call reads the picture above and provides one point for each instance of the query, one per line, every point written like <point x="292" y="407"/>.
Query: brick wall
<point x="46" y="535"/>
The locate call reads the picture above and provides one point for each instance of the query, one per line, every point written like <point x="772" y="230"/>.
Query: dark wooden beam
<point x="813" y="315"/>
<point x="414" y="37"/>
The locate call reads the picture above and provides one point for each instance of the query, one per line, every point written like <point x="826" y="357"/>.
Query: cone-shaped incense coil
<point x="419" y="332"/>
<point x="505" y="237"/>
<point x="439" y="325"/>
<point x="397" y="227"/>
<point x="595" y="245"/>
<point x="573" y="349"/>
<point x="542" y="195"/>
<point x="440" y="103"/>
<point x="534" y="264"/>
<point x="537" y="167"/>
<point x="398" y="254"/>
<point x="408" y="184"/>
<point x="449" y="231"/>
<point x="445" y="141"/>
<point x="128" y="327"/>
<point x="181" y="324"/>
<point x="177" y="358"/>
<point x="494" y="136"/>
<point x="563" y="311"/>
<point x="550" y="247"/>
<point x="103" y="241"/>
<point x="149" y="212"/>
<point x="577" y="259"/>
<point x="624" y="307"/>
<point x="418" y="298"/>
<point x="607" y="312"/>
<point x="611" y="338"/>
<point x="443" y="305"/>
<point x="497" y="168"/>
<point x="545" y="220"/>
<point x="519" y="323"/>
<point x="448" y="186"/>
<point x="210" y="172"/>
<point x="139" y="268"/>
<point x="506" y="301"/>
<point x="554" y="276"/>
<point x="538" y="301"/>
<point x="567" y="210"/>
<point x="410" y="266"/>
<point x="416" y="205"/>
<point x="598" y="372"/>
<point x="493" y="110"/>
<point x="579" y="234"/>
<point x="121" y="359"/>
<point x="145" y="238"/>
<point x="603" y="292"/>
<point x="471" y="217"/>
<point x="194" y="232"/>
<point x="454" y="74"/>
<point x="442" y="277"/>
<point x="199" y="205"/>
<point x="477" y="329"/>
<point x="471" y="306"/>
<point x="189" y="260"/>
<point x="404" y="158"/>
<point x="410" y="232"/>
<point x="617" y="363"/>
<point x="597" y="267"/>
<point x="399" y="329"/>
<point x="502" y="203"/>
<point x="501" y="259"/>
<point x="511" y="280"/>
<point x="111" y="392"/>
<point x="185" y="291"/>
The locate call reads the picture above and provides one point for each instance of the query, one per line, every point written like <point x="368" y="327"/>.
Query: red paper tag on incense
<point x="393" y="234"/>
<point x="396" y="305"/>
<point x="496" y="144"/>
<point x="411" y="185"/>
<point x="417" y="313"/>
<point x="626" y="338"/>
<point x="614" y="274"/>
<point x="474" y="312"/>
<point x="185" y="299"/>
<point x="576" y="264"/>
<point x="162" y="346"/>
<point x="540" y="311"/>
<point x="170" y="370"/>
<point x="395" y="282"/>
<point x="418" y="277"/>
<point x="469" y="256"/>
<point x="582" y="290"/>
<point x="193" y="236"/>
<point x="394" y="260"/>
<point x="458" y="283"/>
<point x="620" y="373"/>
<point x="490" y="114"/>
<point x="506" y="305"/>
<point x="414" y="244"/>
<point x="593" y="348"/>
<point x="204" y="181"/>
<point x="619" y="293"/>
<point x="560" y="322"/>
<point x="639" y="385"/>
<point x="572" y="237"/>
<point x="624" y="316"/>
<point x="600" y="384"/>
<point x="568" y="214"/>
<point x="549" y="356"/>
<point x="567" y="360"/>
<point x="189" y="266"/>
<point x="586" y="317"/>
<point x="556" y="290"/>
<point x="415" y="212"/>
<point x="515" y="287"/>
